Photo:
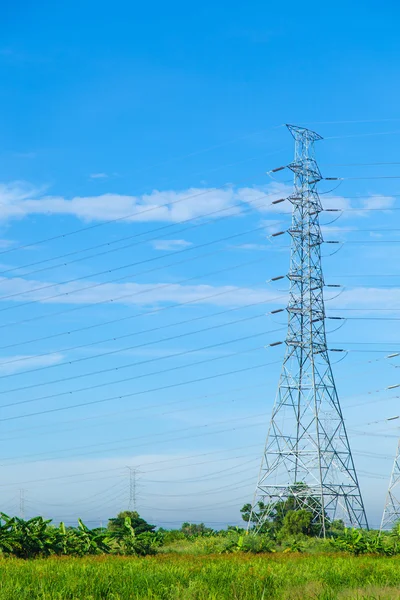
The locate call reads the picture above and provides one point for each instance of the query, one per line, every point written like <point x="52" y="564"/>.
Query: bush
<point x="37" y="537"/>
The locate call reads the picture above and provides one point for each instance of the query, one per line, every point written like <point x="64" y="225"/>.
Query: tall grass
<point x="225" y="577"/>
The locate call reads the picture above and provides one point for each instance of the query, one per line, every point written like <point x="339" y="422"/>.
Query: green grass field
<point x="183" y="577"/>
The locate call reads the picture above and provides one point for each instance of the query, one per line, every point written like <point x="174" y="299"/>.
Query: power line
<point x="190" y="401"/>
<point x="371" y="164"/>
<point x="214" y="147"/>
<point x="124" y="296"/>
<point x="113" y="339"/>
<point x="226" y="472"/>
<point x="130" y="216"/>
<point x="120" y="469"/>
<point x="370" y="177"/>
<point x="138" y="393"/>
<point x="154" y="311"/>
<point x="156" y="462"/>
<point x="350" y="122"/>
<point x="117" y="219"/>
<point x="152" y="259"/>
<point x="120" y="368"/>
<point x="130" y="439"/>
<point x="245" y="209"/>
<point x="146" y="407"/>
<point x="341" y="137"/>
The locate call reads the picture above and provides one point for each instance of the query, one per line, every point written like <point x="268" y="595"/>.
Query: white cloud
<point x="19" y="199"/>
<point x="130" y="293"/>
<point x="262" y="247"/>
<point x="379" y="202"/>
<point x="6" y="243"/>
<point x="368" y="297"/>
<point x="337" y="202"/>
<point x="170" y="244"/>
<point x="272" y="225"/>
<point x="13" y="364"/>
<point x="98" y="176"/>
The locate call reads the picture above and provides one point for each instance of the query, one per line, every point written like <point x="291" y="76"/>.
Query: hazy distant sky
<point x="114" y="109"/>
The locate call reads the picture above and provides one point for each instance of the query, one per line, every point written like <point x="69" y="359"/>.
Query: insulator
<point x="278" y="233"/>
<point x="278" y="201"/>
<point x="278" y="310"/>
<point x="278" y="169"/>
<point x="331" y="242"/>
<point x="392" y="418"/>
<point x="332" y="178"/>
<point x="279" y="277"/>
<point x="335" y="285"/>
<point x="335" y="318"/>
<point x="276" y="344"/>
<point x="332" y="210"/>
<point x="337" y="350"/>
<point x="393" y="355"/>
<point x="391" y="387"/>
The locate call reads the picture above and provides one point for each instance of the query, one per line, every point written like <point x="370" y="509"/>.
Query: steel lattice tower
<point x="391" y="512"/>
<point x="307" y="454"/>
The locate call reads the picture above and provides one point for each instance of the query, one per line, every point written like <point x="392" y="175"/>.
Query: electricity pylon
<point x="307" y="458"/>
<point x="132" y="488"/>
<point x="22" y="503"/>
<point x="391" y="512"/>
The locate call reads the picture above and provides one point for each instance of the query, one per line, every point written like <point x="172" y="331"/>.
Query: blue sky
<point x="127" y="125"/>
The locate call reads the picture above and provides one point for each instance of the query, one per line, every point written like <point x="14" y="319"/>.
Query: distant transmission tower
<point x="132" y="488"/>
<point x="391" y="512"/>
<point x="307" y="456"/>
<point x="22" y="503"/>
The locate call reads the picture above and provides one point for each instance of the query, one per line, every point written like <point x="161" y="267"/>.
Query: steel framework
<point x="391" y="512"/>
<point x="307" y="456"/>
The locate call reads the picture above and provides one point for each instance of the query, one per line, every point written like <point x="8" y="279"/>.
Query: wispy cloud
<point x="6" y="243"/>
<point x="379" y="202"/>
<point x="98" y="176"/>
<point x="272" y="225"/>
<point x="13" y="364"/>
<point x="261" y="247"/>
<point x="170" y="244"/>
<point x="368" y="298"/>
<point x="20" y="199"/>
<point x="131" y="293"/>
<point x="335" y="201"/>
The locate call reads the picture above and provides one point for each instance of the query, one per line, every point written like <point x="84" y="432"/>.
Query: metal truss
<point x="391" y="512"/>
<point x="307" y="456"/>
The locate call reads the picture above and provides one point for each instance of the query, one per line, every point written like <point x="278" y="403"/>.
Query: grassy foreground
<point x="177" y="577"/>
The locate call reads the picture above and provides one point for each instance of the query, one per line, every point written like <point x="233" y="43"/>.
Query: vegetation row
<point x="130" y="535"/>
